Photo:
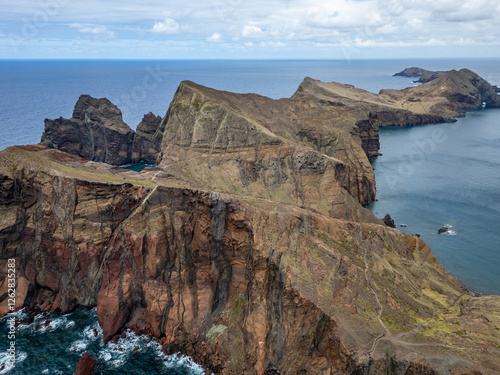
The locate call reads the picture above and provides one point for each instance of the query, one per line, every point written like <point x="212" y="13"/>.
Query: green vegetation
<point x="181" y="107"/>
<point x="237" y="309"/>
<point x="197" y="104"/>
<point x="216" y="330"/>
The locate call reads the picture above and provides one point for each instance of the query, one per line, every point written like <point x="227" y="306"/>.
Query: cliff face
<point x="288" y="150"/>
<point x="239" y="283"/>
<point x="147" y="139"/>
<point x="247" y="247"/>
<point x="97" y="132"/>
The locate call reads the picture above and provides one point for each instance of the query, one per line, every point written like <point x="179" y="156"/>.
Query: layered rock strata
<point x="247" y="248"/>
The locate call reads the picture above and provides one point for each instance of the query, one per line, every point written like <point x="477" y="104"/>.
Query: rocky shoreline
<point x="247" y="246"/>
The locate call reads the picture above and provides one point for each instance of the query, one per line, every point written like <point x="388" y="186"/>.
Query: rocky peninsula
<point x="247" y="247"/>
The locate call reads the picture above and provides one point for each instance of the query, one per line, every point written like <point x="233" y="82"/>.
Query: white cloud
<point x="252" y="32"/>
<point x="101" y="31"/>
<point x="276" y="44"/>
<point x="474" y="11"/>
<point x="415" y="22"/>
<point x="301" y="24"/>
<point x="215" y="37"/>
<point x="168" y="26"/>
<point x="387" y="29"/>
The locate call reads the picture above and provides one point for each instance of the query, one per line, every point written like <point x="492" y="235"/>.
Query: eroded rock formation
<point x="96" y="132"/>
<point x="247" y="248"/>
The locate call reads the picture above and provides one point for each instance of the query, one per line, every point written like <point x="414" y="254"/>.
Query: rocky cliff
<point x="147" y="140"/>
<point x="247" y="247"/>
<point x="97" y="132"/>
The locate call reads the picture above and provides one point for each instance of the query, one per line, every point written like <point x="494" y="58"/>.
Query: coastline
<point x="231" y="218"/>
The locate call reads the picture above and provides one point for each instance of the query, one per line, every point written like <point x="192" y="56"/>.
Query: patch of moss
<point x="393" y="324"/>
<point x="433" y="294"/>
<point x="197" y="104"/>
<point x="237" y="309"/>
<point x="218" y="330"/>
<point x="181" y="107"/>
<point x="431" y="331"/>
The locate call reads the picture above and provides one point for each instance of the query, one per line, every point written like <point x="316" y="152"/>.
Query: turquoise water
<point x="453" y="179"/>
<point x="137" y="167"/>
<point x="447" y="174"/>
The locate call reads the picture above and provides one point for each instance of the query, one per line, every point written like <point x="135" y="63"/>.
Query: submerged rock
<point x="443" y="230"/>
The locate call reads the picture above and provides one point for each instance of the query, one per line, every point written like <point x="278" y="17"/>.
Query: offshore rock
<point x="97" y="132"/>
<point x="389" y="221"/>
<point x="443" y="230"/>
<point x="86" y="365"/>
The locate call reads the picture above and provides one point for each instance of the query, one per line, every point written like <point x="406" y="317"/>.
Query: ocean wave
<point x="450" y="232"/>
<point x="52" y="372"/>
<point x="117" y="354"/>
<point x="184" y="361"/>
<point x="78" y="346"/>
<point x="5" y="366"/>
<point x="19" y="315"/>
<point x="44" y="322"/>
<point x="92" y="332"/>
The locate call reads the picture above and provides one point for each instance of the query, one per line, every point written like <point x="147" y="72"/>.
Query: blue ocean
<point x="425" y="179"/>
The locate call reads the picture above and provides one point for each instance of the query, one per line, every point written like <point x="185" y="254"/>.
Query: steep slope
<point x="247" y="246"/>
<point x="299" y="151"/>
<point x="241" y="284"/>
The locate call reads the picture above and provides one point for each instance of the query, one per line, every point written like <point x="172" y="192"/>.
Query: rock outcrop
<point x="147" y="139"/>
<point x="389" y="221"/>
<point x="247" y="247"/>
<point x="443" y="230"/>
<point x="86" y="365"/>
<point x="97" y="132"/>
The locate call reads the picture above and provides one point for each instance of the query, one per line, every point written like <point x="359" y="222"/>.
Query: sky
<point x="243" y="29"/>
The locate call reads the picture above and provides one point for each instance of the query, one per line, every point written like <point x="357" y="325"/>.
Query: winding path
<point x="380" y="310"/>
